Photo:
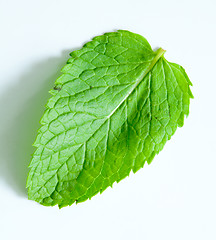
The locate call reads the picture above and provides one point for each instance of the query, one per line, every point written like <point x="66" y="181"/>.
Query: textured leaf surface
<point x="113" y="109"/>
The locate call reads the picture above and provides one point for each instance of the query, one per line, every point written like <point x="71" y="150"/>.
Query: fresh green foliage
<point x="113" y="109"/>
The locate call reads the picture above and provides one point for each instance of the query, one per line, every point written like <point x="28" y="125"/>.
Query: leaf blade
<point x="105" y="119"/>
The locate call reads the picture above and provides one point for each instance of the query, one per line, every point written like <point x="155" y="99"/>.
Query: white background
<point x="174" y="198"/>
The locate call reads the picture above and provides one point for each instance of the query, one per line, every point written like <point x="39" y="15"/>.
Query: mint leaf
<point x="113" y="109"/>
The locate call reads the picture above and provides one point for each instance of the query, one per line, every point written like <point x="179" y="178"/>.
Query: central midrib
<point x="159" y="54"/>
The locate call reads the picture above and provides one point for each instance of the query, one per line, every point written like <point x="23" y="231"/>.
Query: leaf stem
<point x="159" y="53"/>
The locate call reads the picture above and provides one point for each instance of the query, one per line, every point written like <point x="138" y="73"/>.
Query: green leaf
<point x="113" y="109"/>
